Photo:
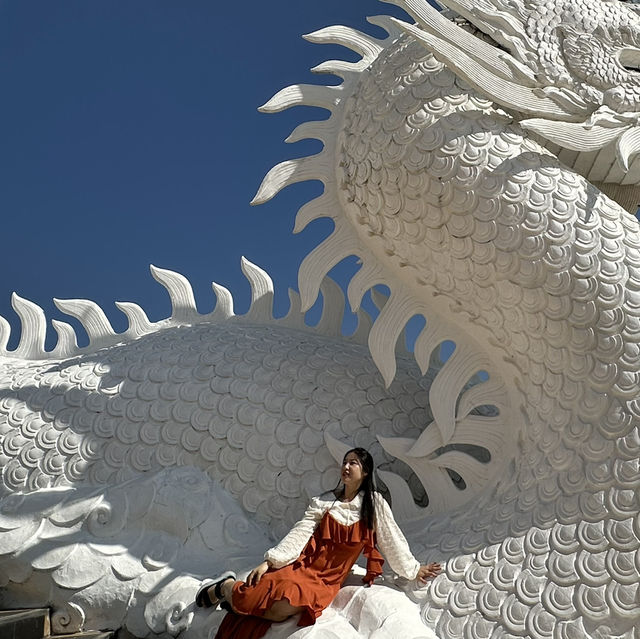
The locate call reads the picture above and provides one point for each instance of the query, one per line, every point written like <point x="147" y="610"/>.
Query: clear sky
<point x="130" y="135"/>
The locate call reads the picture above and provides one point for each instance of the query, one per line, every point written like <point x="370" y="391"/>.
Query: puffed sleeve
<point x="289" y="549"/>
<point x="392" y="543"/>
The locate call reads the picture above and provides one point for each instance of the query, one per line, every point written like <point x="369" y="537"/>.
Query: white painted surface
<point x="114" y="456"/>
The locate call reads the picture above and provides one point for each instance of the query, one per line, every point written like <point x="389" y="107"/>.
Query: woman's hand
<point x="428" y="571"/>
<point x="256" y="574"/>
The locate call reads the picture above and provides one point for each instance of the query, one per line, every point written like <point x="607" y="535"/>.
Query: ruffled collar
<point x="354" y="504"/>
<point x="345" y="513"/>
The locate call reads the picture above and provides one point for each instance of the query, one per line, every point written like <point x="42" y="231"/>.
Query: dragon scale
<point x="511" y="239"/>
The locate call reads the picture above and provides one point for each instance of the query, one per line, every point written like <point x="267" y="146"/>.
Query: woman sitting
<point x="304" y="572"/>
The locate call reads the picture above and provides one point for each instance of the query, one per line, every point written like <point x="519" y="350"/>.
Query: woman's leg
<point x="223" y="589"/>
<point x="279" y="611"/>
<point x="227" y="589"/>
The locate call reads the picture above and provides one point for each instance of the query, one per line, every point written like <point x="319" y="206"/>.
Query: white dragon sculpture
<point x="483" y="164"/>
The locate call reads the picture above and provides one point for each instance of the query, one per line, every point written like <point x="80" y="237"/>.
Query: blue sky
<point x="130" y="136"/>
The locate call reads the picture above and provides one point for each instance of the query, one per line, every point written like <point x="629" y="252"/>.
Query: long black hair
<point x="367" y="488"/>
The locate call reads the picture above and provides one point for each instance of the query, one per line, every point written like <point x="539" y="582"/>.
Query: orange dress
<point x="312" y="581"/>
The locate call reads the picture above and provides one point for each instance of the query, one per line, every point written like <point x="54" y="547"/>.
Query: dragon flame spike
<point x="474" y="472"/>
<point x="479" y="394"/>
<point x="369" y="275"/>
<point x="433" y="477"/>
<point x="139" y="323"/>
<point x="5" y="333"/>
<point x="365" y="322"/>
<point x="101" y="333"/>
<point x="183" y="302"/>
<point x="347" y="71"/>
<point x="332" y="308"/>
<point x="34" y="328"/>
<point x="478" y="430"/>
<point x="319" y="130"/>
<point x="322" y="206"/>
<point x="314" y="167"/>
<point x="361" y="43"/>
<point x="325" y="97"/>
<point x="337" y="448"/>
<point x="429" y="440"/>
<point x="379" y="298"/>
<point x="385" y="22"/>
<point x="446" y="388"/>
<point x="295" y="317"/>
<point x="386" y="330"/>
<point x="261" y="309"/>
<point x="91" y="316"/>
<point x="320" y="261"/>
<point x="67" y="340"/>
<point x="224" y="303"/>
<point x="431" y="336"/>
<point x="404" y="508"/>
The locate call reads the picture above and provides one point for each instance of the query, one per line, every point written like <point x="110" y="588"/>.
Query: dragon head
<point x="566" y="70"/>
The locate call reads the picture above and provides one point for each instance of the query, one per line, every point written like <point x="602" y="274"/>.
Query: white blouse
<point x="390" y="540"/>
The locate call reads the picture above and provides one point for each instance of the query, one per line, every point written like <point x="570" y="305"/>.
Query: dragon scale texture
<point x="512" y="239"/>
<point x="483" y="165"/>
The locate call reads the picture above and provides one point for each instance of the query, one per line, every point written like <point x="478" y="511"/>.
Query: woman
<point x="304" y="572"/>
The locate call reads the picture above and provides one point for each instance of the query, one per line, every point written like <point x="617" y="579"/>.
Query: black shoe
<point x="202" y="596"/>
